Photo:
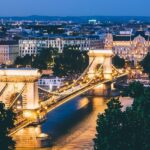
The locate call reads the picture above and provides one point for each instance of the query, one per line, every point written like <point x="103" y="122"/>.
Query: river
<point x="72" y="126"/>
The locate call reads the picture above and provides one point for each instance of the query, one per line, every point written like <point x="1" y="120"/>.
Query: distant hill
<point x="79" y="19"/>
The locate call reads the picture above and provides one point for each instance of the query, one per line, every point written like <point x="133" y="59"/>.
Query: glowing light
<point x="27" y="114"/>
<point x="101" y="86"/>
<point x="43" y="135"/>
<point x="67" y="83"/>
<point x="101" y="51"/>
<point x="18" y="107"/>
<point x="21" y="131"/>
<point x="30" y="114"/>
<point x="38" y="112"/>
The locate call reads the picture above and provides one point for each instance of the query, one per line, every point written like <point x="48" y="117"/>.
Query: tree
<point x="70" y="62"/>
<point x="118" y="62"/>
<point x="18" y="61"/>
<point x="109" y="127"/>
<point x="43" y="60"/>
<point x="24" y="61"/>
<point x="145" y="63"/>
<point x="141" y="122"/>
<point x="135" y="89"/>
<point x="72" y="47"/>
<point x="125" y="130"/>
<point x="39" y="63"/>
<point x="7" y="118"/>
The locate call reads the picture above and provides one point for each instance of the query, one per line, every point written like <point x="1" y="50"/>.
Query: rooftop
<point x="121" y="37"/>
<point x="8" y="42"/>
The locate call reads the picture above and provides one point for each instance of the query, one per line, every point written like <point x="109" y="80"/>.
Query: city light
<point x="51" y="72"/>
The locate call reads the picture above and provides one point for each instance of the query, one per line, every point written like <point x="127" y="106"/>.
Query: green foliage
<point x="145" y="63"/>
<point x="24" y="61"/>
<point x="70" y="62"/>
<point x="43" y="60"/>
<point x="135" y="89"/>
<point x="7" y="118"/>
<point x="125" y="130"/>
<point x="109" y="127"/>
<point x="118" y="62"/>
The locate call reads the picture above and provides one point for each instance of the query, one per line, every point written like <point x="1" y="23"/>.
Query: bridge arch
<point x="23" y="82"/>
<point x="101" y="58"/>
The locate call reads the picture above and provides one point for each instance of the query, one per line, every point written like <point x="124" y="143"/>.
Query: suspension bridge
<point x="19" y="90"/>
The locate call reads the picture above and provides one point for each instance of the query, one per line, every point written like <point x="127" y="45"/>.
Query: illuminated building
<point x="51" y="83"/>
<point x="92" y="21"/>
<point x="9" y="50"/>
<point x="32" y="46"/>
<point x="131" y="47"/>
<point x="29" y="47"/>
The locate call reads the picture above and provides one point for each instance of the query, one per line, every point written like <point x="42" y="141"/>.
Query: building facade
<point x="32" y="46"/>
<point x="51" y="83"/>
<point x="9" y="50"/>
<point x="131" y="47"/>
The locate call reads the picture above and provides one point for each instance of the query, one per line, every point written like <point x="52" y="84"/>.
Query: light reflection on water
<point x="62" y="122"/>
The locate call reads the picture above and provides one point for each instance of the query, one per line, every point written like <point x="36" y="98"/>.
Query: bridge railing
<point x="20" y="126"/>
<point x="59" y="100"/>
<point x="72" y="84"/>
<point x="51" y="101"/>
<point x="71" y="96"/>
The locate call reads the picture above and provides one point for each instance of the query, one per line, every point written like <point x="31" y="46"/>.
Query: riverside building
<point x="9" y="50"/>
<point x="32" y="46"/>
<point x="132" y="47"/>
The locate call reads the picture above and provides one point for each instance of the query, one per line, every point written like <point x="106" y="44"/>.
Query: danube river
<point x="72" y="126"/>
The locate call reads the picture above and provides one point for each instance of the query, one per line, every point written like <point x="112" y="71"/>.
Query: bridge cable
<point x="18" y="95"/>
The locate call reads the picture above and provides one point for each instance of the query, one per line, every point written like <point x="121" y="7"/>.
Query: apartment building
<point x="9" y="50"/>
<point x="32" y="46"/>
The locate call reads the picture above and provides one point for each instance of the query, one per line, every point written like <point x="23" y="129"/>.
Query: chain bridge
<point x="19" y="91"/>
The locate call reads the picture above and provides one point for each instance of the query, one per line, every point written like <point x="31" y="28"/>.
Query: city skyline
<point x="73" y="71"/>
<point x="75" y="8"/>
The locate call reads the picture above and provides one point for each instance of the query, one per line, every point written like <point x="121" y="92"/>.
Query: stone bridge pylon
<point x="19" y="87"/>
<point x="100" y="58"/>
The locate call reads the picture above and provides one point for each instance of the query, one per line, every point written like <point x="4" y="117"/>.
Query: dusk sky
<point x="75" y="7"/>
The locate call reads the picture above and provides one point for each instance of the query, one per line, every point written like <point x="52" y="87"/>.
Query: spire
<point x="108" y="43"/>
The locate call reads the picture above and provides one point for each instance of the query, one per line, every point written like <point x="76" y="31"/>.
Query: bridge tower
<point x="21" y="82"/>
<point x="101" y="59"/>
<point x="19" y="90"/>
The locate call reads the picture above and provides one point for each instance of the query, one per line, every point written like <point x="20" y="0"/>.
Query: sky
<point x="75" y="7"/>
